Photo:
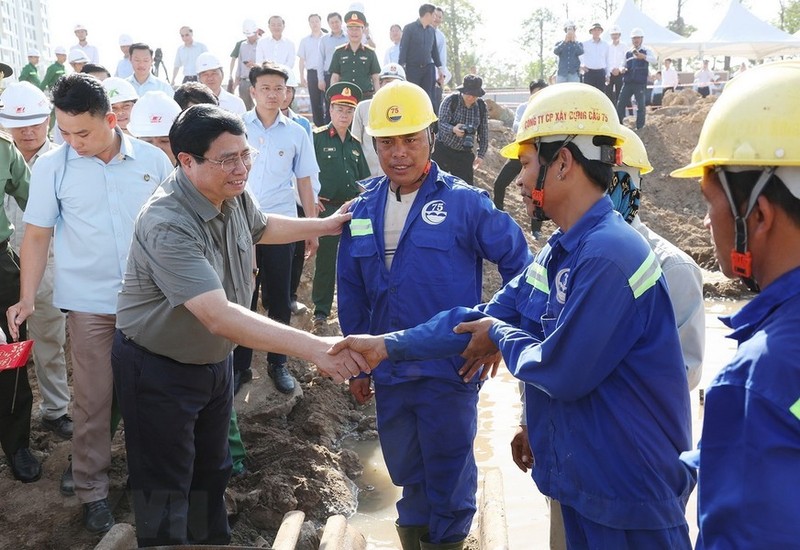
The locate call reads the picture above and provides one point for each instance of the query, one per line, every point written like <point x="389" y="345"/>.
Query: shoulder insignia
<point x="368" y="47"/>
<point x="320" y="129"/>
<point x="343" y="46"/>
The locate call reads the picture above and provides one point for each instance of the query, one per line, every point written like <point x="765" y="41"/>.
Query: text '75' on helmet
<point x="399" y="108"/>
<point x="563" y="110"/>
<point x="752" y="123"/>
<point x="633" y="152"/>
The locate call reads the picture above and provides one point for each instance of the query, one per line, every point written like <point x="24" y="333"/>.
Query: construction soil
<point x="295" y="457"/>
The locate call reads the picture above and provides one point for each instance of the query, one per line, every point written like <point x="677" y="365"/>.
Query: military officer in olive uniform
<point x="355" y="61"/>
<point x="341" y="164"/>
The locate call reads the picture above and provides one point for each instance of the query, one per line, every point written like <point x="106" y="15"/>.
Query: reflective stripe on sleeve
<point x="537" y="278"/>
<point x="646" y="276"/>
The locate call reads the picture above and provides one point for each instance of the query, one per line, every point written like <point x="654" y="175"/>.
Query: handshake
<point x="345" y="358"/>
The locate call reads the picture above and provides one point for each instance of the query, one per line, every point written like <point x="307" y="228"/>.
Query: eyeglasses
<point x="343" y="109"/>
<point x="229" y="164"/>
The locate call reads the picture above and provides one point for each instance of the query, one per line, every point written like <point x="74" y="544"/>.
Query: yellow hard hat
<point x="753" y="123"/>
<point x="633" y="152"/>
<point x="399" y="108"/>
<point x="566" y="109"/>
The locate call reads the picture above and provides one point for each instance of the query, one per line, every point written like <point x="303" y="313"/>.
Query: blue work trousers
<point x="628" y="91"/>
<point x="427" y="428"/>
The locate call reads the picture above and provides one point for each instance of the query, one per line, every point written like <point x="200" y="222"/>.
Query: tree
<point x="609" y="7"/>
<point x="678" y="25"/>
<point x="538" y="31"/>
<point x="789" y="16"/>
<point x="459" y="28"/>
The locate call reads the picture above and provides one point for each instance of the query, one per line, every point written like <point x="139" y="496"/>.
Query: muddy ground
<point x="295" y="461"/>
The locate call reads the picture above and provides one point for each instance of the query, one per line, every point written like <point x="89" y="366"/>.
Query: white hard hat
<point x="392" y="71"/>
<point x="615" y="30"/>
<point x="153" y="115"/>
<point x="637" y="31"/>
<point x="23" y="105"/>
<point x="80" y="27"/>
<point x="125" y="40"/>
<point x="60" y="50"/>
<point x="250" y="27"/>
<point x="77" y="55"/>
<point x="207" y="61"/>
<point x="569" y="24"/>
<point x="119" y="90"/>
<point x="33" y="52"/>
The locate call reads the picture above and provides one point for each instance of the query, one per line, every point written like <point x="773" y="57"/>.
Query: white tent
<point x="665" y="42"/>
<point x="739" y="33"/>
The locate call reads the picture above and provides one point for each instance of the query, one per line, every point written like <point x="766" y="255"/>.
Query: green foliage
<point x="459" y="28"/>
<point x="680" y="27"/>
<point x="789" y="16"/>
<point x="539" y="36"/>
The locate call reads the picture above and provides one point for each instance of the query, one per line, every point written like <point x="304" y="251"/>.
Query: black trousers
<point x="298" y="260"/>
<point x="325" y="107"/>
<point x="16" y="398"/>
<point x="458" y="163"/>
<point x="315" y="96"/>
<point x="614" y="87"/>
<point x="596" y="78"/>
<point x="424" y="77"/>
<point x="176" y="437"/>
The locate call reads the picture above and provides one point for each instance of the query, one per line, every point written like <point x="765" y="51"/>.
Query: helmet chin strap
<point x="537" y="195"/>
<point x="741" y="258"/>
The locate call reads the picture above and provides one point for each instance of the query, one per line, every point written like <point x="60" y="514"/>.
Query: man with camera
<point x="462" y="119"/>
<point x="568" y="52"/>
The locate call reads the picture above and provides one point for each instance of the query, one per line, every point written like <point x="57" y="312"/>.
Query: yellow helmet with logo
<point x="753" y="123"/>
<point x="564" y="110"/>
<point x="399" y="108"/>
<point x="633" y="152"/>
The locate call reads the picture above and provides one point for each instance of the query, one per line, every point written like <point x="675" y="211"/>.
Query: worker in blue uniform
<point x="749" y="459"/>
<point x="590" y="329"/>
<point x="416" y="246"/>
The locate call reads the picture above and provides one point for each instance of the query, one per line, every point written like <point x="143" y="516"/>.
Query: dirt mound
<point x="295" y="460"/>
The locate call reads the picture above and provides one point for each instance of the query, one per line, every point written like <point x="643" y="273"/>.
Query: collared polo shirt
<point x="183" y="246"/>
<point x="92" y="206"/>
<point x="11" y="206"/>
<point x="284" y="150"/>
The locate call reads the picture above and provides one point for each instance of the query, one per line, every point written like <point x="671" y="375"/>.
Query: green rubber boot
<point x="423" y="545"/>
<point x="410" y="536"/>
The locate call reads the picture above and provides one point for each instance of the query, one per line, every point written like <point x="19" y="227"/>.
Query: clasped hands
<point x="367" y="351"/>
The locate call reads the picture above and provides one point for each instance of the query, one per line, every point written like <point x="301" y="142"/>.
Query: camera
<point x="469" y="136"/>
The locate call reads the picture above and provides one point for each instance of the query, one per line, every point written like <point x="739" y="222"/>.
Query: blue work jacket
<point x="590" y="330"/>
<point x="451" y="228"/>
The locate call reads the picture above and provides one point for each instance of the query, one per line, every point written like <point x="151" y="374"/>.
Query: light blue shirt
<point x="186" y="57"/>
<point x="124" y="68"/>
<point x="284" y="150"/>
<point x="92" y="206"/>
<point x="152" y="84"/>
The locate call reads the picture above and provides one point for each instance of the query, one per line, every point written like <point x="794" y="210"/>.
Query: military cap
<point x="355" y="19"/>
<point x="346" y="93"/>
